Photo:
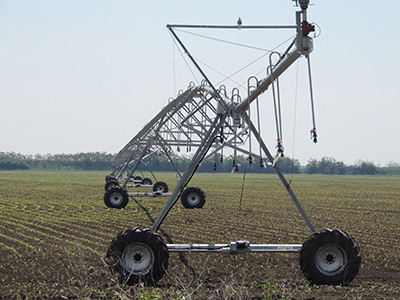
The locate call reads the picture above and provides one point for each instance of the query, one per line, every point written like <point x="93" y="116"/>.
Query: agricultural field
<point x="55" y="231"/>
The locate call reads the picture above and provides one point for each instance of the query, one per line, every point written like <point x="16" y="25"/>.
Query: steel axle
<point x="238" y="247"/>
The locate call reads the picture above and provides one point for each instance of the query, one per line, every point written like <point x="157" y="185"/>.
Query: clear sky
<point x="85" y="76"/>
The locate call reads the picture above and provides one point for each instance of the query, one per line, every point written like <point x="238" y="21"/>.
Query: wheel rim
<point x="193" y="198"/>
<point x="160" y="188"/>
<point x="138" y="259"/>
<point x="331" y="259"/>
<point x="116" y="198"/>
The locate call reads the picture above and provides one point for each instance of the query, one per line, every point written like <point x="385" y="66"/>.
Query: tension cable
<point x="224" y="41"/>
<point x="184" y="59"/>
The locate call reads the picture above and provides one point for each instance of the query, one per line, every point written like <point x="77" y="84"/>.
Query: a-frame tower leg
<point x="197" y="159"/>
<point x="280" y="174"/>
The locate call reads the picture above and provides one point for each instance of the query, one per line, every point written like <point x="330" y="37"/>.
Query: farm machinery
<point x="168" y="129"/>
<point x="205" y="118"/>
<point x="123" y="177"/>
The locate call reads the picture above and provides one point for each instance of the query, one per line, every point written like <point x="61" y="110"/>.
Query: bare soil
<point x="55" y="230"/>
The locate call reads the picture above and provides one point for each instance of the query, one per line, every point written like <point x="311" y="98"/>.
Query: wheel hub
<point x="193" y="199"/>
<point x="160" y="189"/>
<point x="331" y="259"/>
<point x="116" y="198"/>
<point x="138" y="259"/>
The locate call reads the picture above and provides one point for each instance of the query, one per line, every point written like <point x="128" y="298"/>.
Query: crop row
<point x="46" y="217"/>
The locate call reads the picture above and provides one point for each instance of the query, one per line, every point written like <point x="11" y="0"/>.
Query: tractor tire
<point x="110" y="177"/>
<point x="137" y="255"/>
<point x="160" y="187"/>
<point x="193" y="197"/>
<point x="330" y="256"/>
<point x="115" y="197"/>
<point x="147" y="181"/>
<point x="138" y="178"/>
<point x="111" y="183"/>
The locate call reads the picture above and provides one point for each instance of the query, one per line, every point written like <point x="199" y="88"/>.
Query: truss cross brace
<point x="198" y="157"/>
<point x="280" y="175"/>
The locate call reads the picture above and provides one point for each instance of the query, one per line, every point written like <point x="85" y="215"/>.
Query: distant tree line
<point x="104" y="161"/>
<point x="326" y="165"/>
<point x="79" y="161"/>
<point x="226" y="164"/>
<point x="329" y="165"/>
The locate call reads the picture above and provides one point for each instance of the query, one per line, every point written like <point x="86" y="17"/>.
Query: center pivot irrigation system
<point x="206" y="119"/>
